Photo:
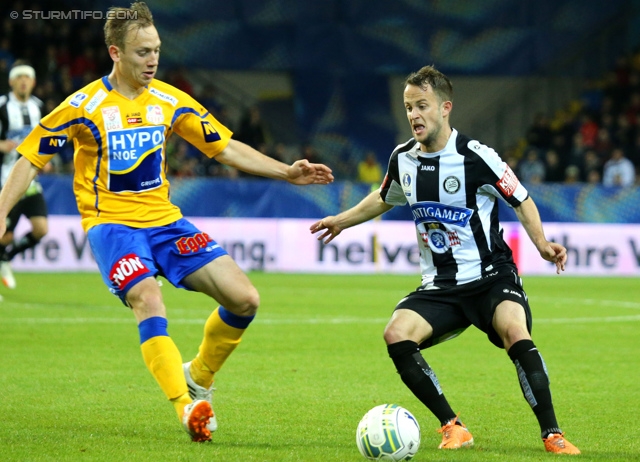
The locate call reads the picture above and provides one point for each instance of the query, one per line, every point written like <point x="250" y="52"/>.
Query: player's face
<point x="427" y="115"/>
<point x="22" y="85"/>
<point x="138" y="61"/>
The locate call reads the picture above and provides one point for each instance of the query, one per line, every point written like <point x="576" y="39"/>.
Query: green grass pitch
<point x="73" y="386"/>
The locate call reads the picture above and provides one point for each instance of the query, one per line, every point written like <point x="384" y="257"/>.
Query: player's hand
<point x="555" y="253"/>
<point x="303" y="172"/>
<point x="327" y="224"/>
<point x="7" y="146"/>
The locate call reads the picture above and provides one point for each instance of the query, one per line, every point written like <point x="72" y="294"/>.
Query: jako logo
<point x="428" y="168"/>
<point x="126" y="270"/>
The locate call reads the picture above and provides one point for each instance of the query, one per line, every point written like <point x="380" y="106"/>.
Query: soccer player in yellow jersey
<point x="119" y="125"/>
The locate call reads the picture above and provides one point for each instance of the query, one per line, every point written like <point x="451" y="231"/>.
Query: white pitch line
<point x="588" y="301"/>
<point x="272" y="321"/>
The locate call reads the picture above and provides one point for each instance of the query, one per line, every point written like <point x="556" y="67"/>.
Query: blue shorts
<point x="126" y="255"/>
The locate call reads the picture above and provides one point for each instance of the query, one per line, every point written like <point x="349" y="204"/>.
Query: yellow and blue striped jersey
<point x="119" y="149"/>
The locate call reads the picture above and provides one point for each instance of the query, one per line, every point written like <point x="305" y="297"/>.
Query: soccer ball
<point x="388" y="432"/>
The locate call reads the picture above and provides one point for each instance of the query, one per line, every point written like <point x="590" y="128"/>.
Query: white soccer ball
<point x="388" y="432"/>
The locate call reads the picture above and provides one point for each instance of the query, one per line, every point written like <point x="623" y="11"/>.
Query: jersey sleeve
<point x="197" y="126"/>
<point x="498" y="177"/>
<point x="391" y="190"/>
<point x="50" y="136"/>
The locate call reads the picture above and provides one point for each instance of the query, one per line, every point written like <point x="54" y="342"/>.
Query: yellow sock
<point x="222" y="334"/>
<point x="164" y="362"/>
<point x="180" y="403"/>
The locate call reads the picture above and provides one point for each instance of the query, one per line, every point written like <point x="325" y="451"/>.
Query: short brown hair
<point x="121" y="20"/>
<point x="430" y="76"/>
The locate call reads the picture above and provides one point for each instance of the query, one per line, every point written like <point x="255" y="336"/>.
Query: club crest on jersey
<point x="154" y="114"/>
<point x="406" y="184"/>
<point x="135" y="158"/>
<point x="440" y="240"/>
<point x="112" y="118"/>
<point x="451" y="184"/>
<point x="435" y="212"/>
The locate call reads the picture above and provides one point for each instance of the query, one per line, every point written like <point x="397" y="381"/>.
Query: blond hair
<point x="121" y="20"/>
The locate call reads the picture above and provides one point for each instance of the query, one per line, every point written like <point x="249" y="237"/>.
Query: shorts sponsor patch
<point x="194" y="243"/>
<point x="126" y="270"/>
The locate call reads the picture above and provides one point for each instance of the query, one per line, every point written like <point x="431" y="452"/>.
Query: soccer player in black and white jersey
<point x="452" y="184"/>
<point x="19" y="113"/>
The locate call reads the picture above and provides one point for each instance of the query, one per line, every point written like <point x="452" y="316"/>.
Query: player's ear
<point x="114" y="52"/>
<point x="446" y="108"/>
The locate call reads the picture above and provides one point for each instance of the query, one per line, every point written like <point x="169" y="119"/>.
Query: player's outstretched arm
<point x="245" y="158"/>
<point x="368" y="208"/>
<point x="529" y="216"/>
<point x="22" y="173"/>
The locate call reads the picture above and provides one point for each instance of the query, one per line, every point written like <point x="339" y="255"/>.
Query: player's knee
<point x="248" y="304"/>
<point x="7" y="238"/>
<point x="146" y="301"/>
<point x="39" y="232"/>
<point x="393" y="333"/>
<point x="513" y="334"/>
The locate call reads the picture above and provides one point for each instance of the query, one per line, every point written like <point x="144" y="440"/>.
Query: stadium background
<point x="326" y="78"/>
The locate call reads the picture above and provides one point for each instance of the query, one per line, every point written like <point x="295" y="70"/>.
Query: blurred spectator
<point x="539" y="135"/>
<point x="591" y="95"/>
<point x="571" y="175"/>
<point x="209" y="99"/>
<point x="281" y="153"/>
<point x="618" y="171"/>
<point x="554" y="169"/>
<point x="369" y="169"/>
<point x="588" y="130"/>
<point x="633" y="106"/>
<point x="623" y="132"/>
<point x="531" y="169"/>
<point x="634" y="151"/>
<point x="178" y="78"/>
<point x="593" y="177"/>
<point x="577" y="150"/>
<point x="83" y="64"/>
<point x="603" y="144"/>
<point x="252" y="130"/>
<point x="590" y="162"/>
<point x="310" y="153"/>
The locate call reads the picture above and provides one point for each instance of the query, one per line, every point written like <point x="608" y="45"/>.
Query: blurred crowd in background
<point x="596" y="139"/>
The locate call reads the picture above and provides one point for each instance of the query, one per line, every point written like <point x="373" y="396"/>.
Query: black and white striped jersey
<point x="17" y="119"/>
<point x="453" y="198"/>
